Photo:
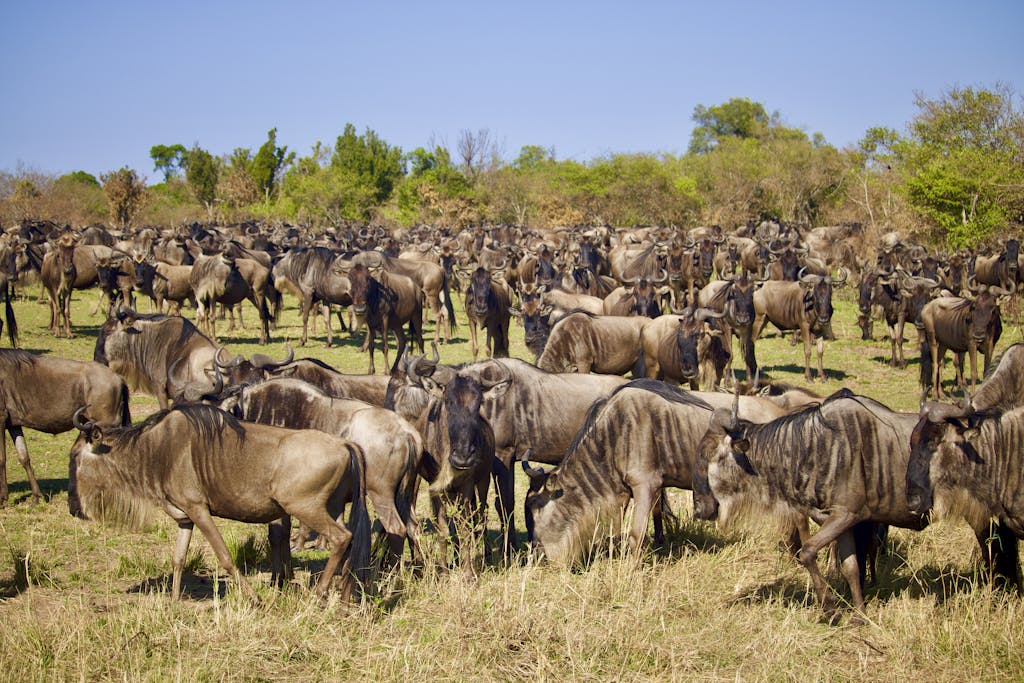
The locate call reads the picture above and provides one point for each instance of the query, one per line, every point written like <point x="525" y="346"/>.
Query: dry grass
<point x="83" y="601"/>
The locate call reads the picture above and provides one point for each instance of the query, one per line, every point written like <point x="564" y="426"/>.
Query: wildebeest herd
<point x="263" y="439"/>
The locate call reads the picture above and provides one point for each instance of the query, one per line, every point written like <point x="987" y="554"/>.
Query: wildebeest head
<point x="706" y="256"/>
<point x="818" y="295"/>
<point x="480" y="292"/>
<point x="367" y="294"/>
<point x="941" y="453"/>
<point x="722" y="471"/>
<point x="693" y="328"/>
<point x="917" y="291"/>
<point x="985" y="320"/>
<point x="645" y="295"/>
<point x="739" y="304"/>
<point x="467" y="429"/>
<point x="536" y="319"/>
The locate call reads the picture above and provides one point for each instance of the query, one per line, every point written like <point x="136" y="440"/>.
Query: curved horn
<point x="76" y="420"/>
<point x="663" y="278"/>
<point x="702" y="314"/>
<point x="839" y="281"/>
<point x="506" y="376"/>
<point x="233" y="363"/>
<point x="940" y="412"/>
<point x="536" y="473"/>
<point x="264" y="362"/>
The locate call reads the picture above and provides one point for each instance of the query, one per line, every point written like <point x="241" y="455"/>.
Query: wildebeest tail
<point x="359" y="519"/>
<point x="449" y="306"/>
<point x="126" y="415"/>
<point x="926" y="364"/>
<point x="277" y="302"/>
<point x="640" y="369"/>
<point x="12" y="323"/>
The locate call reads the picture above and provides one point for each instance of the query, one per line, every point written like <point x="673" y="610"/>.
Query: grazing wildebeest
<point x="392" y="446"/>
<point x="197" y="462"/>
<point x="841" y="463"/>
<point x="457" y="460"/>
<point x="313" y="274"/>
<point x="968" y="464"/>
<point x="42" y="393"/>
<point x="488" y="300"/>
<point x="805" y="305"/>
<point x="581" y="342"/>
<point x="163" y="356"/>
<point x="58" y="274"/>
<point x="962" y="325"/>
<point x="386" y="301"/>
<point x="637" y="441"/>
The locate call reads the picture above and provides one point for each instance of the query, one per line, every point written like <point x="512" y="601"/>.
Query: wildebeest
<point x="163" y="356"/>
<point x="12" y="323"/>
<point x="42" y="393"/>
<point x="581" y="342"/>
<point x="58" y="273"/>
<point x="637" y="296"/>
<point x="488" y="300"/>
<point x="968" y="464"/>
<point x="639" y="440"/>
<point x="840" y="463"/>
<point x="430" y="278"/>
<point x="196" y="462"/>
<point x="314" y="276"/>
<point x="805" y="305"/>
<point x="217" y="279"/>
<point x="526" y="407"/>
<point x="962" y="325"/>
<point x="167" y="285"/>
<point x="386" y="301"/>
<point x="1001" y="269"/>
<point x="536" y="319"/>
<point x="391" y="445"/>
<point x="367" y="388"/>
<point x="457" y="460"/>
<point x="675" y="348"/>
<point x="735" y="298"/>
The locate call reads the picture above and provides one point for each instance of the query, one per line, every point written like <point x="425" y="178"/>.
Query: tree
<point x="201" y="174"/>
<point x="369" y="160"/>
<point x="476" y="152"/>
<point x="126" y="194"/>
<point x="737" y="118"/>
<point x="269" y="164"/>
<point x="167" y="159"/>
<point x="962" y="163"/>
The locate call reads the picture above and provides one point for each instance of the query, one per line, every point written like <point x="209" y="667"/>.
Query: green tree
<point x="962" y="163"/>
<point x="201" y="173"/>
<point x="167" y="159"/>
<point x="737" y="118"/>
<point x="269" y="164"/>
<point x="126" y="194"/>
<point x="369" y="160"/>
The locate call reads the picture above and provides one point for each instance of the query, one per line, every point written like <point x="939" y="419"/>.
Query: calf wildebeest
<point x="43" y="393"/>
<point x="391" y="445"/>
<point x="163" y="356"/>
<point x="841" y="463"/>
<point x="488" y="300"/>
<point x="639" y="440"/>
<point x="805" y="305"/>
<point x="386" y="301"/>
<point x="968" y="464"/>
<point x="457" y="460"/>
<point x="197" y="462"/>
<point x="962" y="325"/>
<point x="581" y="342"/>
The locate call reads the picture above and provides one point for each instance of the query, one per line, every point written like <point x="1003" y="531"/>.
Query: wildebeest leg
<point x="504" y="502"/>
<point x="4" y="493"/>
<point x="806" y="332"/>
<point x="821" y="354"/>
<point x="658" y="515"/>
<point x="178" y="561"/>
<point x="999" y="553"/>
<point x="837" y="523"/>
<point x="279" y="537"/>
<point x="846" y="552"/>
<point x="307" y="305"/>
<point x="391" y="520"/>
<point x="645" y="495"/>
<point x="973" y="351"/>
<point x="472" y="337"/>
<point x="938" y="353"/>
<point x="440" y="512"/>
<point x="961" y="383"/>
<point x="200" y="516"/>
<point x="22" y="450"/>
<point x="339" y="538"/>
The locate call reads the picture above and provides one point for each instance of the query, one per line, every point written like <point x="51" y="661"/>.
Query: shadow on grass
<point x="830" y="373"/>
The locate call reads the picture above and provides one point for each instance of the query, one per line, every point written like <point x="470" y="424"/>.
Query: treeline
<point x="956" y="175"/>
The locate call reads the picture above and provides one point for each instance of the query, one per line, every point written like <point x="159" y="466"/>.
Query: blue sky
<point x="93" y="85"/>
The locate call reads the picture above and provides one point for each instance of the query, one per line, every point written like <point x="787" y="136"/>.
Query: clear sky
<point x="93" y="85"/>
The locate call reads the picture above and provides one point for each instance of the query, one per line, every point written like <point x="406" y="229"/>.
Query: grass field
<point x="84" y="601"/>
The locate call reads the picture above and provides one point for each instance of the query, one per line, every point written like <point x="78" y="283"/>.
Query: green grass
<point x="93" y="601"/>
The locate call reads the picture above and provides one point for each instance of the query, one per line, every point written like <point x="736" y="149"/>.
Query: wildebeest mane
<point x="665" y="391"/>
<point x="207" y="422"/>
<point x="572" y="312"/>
<point x="10" y="359"/>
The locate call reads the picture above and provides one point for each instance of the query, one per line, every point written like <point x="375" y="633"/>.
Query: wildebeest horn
<point x="702" y="314"/>
<point x="663" y="278"/>
<point x="506" y="376"/>
<point x="436" y="357"/>
<point x="629" y="281"/>
<point x="809" y="279"/>
<point x="263" y="361"/>
<point x="76" y="420"/>
<point x="940" y="412"/>
<point x="531" y="471"/>
<point x="999" y="291"/>
<point x="233" y="363"/>
<point x="838" y="282"/>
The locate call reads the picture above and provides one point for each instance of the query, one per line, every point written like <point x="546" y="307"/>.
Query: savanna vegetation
<point x="955" y="175"/>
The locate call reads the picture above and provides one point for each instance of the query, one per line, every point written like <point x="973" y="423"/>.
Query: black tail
<point x="359" y="519"/>
<point x="126" y="416"/>
<point x="12" y="323"/>
<point x="926" y="365"/>
<point x="449" y="306"/>
<point x="640" y="369"/>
